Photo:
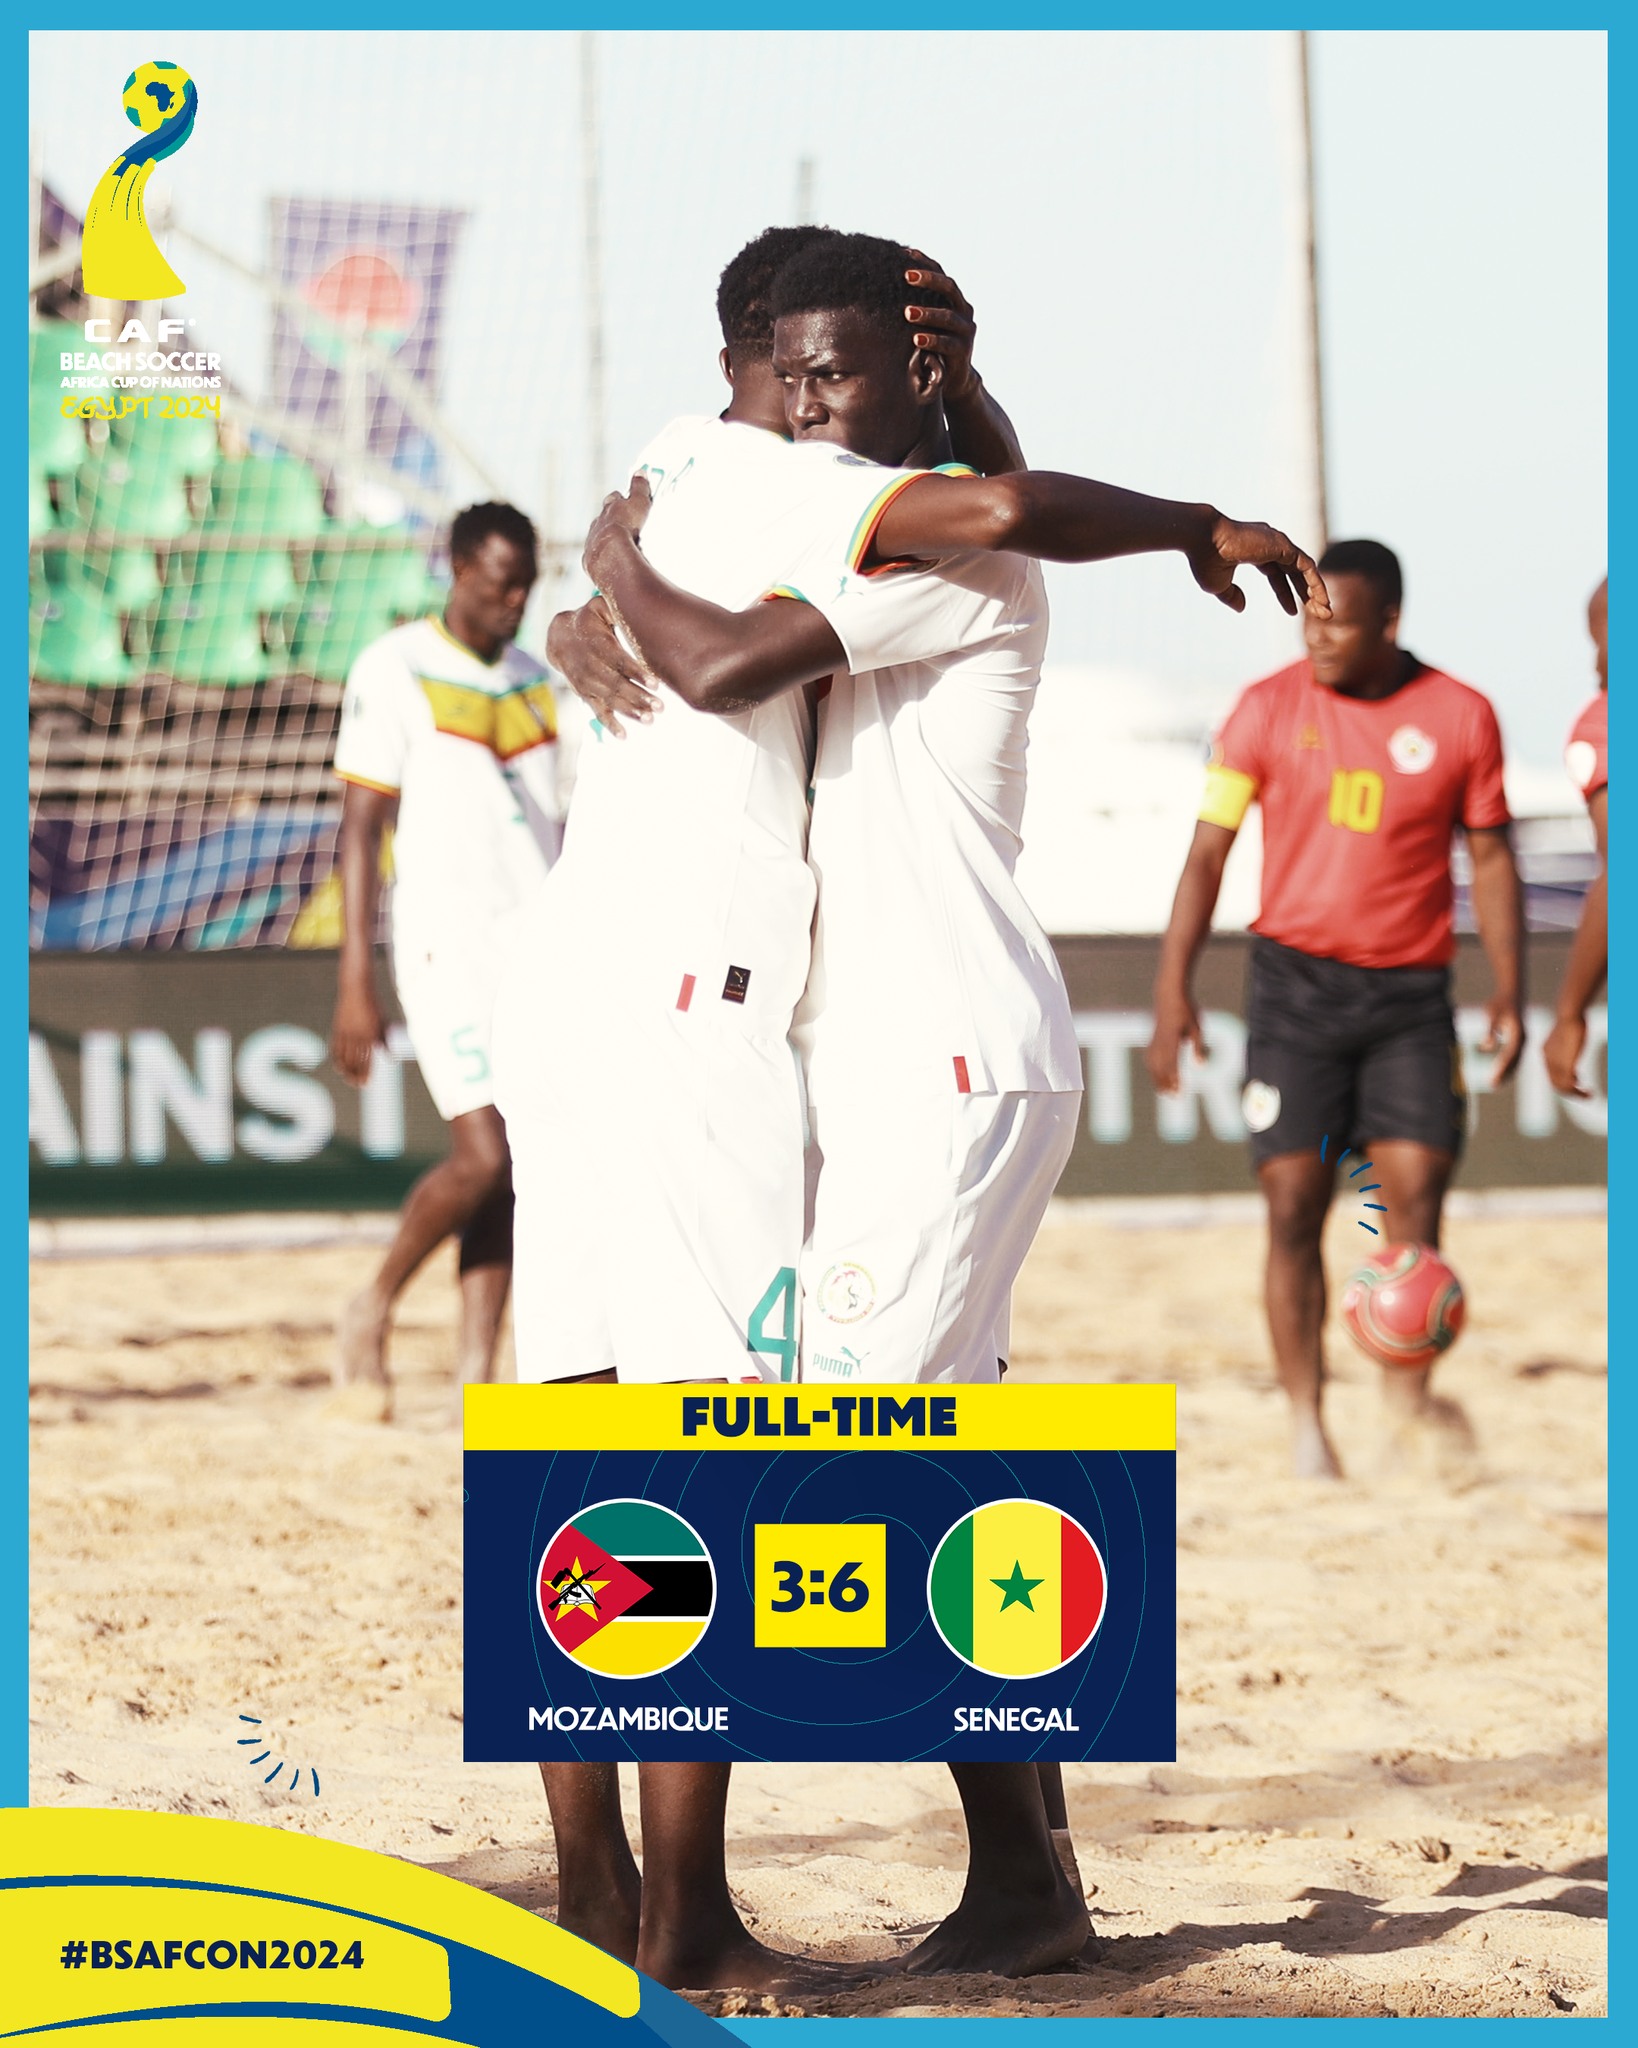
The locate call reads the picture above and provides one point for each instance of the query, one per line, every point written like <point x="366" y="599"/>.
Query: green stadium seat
<point x="55" y="445"/>
<point x="251" y="579"/>
<point x="207" y="636"/>
<point x="125" y="579"/>
<point x="178" y="447"/>
<point x="73" y="638"/>
<point x="114" y="496"/>
<point x="266" y="497"/>
<point x="390" y="574"/>
<point x="337" y="621"/>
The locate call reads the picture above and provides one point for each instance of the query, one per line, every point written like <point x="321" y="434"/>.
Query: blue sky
<point x="1118" y="205"/>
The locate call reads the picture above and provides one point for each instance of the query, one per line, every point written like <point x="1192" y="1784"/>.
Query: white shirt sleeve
<point x="884" y="616"/>
<point x="374" y="737"/>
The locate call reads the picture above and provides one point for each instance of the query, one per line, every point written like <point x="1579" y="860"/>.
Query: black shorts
<point x="1356" y="1054"/>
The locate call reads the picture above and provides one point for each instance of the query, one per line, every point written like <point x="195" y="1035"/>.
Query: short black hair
<point x="470" y="529"/>
<point x="742" y="290"/>
<point x="851" y="273"/>
<point x="1368" y="558"/>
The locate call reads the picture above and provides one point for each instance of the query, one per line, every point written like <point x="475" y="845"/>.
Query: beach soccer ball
<point x="154" y="94"/>
<point x="1404" y="1305"/>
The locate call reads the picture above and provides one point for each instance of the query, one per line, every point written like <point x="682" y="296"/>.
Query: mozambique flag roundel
<point x="626" y="1588"/>
<point x="1017" y="1588"/>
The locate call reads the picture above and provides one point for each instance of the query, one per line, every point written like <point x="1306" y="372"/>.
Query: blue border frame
<point x="956" y="14"/>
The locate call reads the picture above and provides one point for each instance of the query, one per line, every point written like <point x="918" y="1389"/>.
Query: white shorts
<point x="657" y="1168"/>
<point x="447" y="993"/>
<point x="923" y="1208"/>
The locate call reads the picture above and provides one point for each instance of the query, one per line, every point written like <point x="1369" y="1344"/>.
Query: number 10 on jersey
<point x="821" y="1585"/>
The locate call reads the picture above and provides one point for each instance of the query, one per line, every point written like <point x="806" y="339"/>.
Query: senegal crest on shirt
<point x="626" y="1588"/>
<point x="1017" y="1588"/>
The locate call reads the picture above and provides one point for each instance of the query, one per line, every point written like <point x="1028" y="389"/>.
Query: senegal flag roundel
<point x="626" y="1588"/>
<point x="1017" y="1588"/>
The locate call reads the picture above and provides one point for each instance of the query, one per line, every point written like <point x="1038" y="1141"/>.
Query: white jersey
<point x="684" y="875"/>
<point x="927" y="962"/>
<point x="468" y="747"/>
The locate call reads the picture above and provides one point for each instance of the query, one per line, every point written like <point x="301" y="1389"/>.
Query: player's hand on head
<point x="947" y="334"/>
<point x="1177" y="1023"/>
<point x="356" y="1029"/>
<point x="1504" y="1038"/>
<point x="1293" y="576"/>
<point x="584" y="647"/>
<point x="1565" y="1044"/>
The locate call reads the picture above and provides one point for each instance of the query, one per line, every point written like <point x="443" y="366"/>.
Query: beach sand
<point x="1390" y="1789"/>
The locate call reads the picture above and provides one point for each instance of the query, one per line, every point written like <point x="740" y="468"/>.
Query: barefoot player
<point x="1365" y="760"/>
<point x="942" y="1064"/>
<point x="1587" y="758"/>
<point x="447" y="729"/>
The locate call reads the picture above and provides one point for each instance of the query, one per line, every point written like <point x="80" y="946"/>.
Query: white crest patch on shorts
<point x="847" y="1293"/>
<point x="1260" y="1105"/>
<point x="1581" y="758"/>
<point x="1411" y="750"/>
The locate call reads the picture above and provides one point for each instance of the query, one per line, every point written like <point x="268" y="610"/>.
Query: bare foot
<point x="743" y="1963"/>
<point x="1311" y="1454"/>
<point x="361" y="1339"/>
<point x="1004" y="1935"/>
<point x="608" y="1921"/>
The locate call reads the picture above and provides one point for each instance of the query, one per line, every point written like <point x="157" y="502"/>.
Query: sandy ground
<point x="1389" y="1795"/>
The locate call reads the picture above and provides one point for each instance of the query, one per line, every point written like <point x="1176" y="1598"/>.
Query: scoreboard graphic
<point x="981" y="1572"/>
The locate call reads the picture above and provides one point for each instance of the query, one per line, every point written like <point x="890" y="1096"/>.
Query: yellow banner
<point x="683" y="1418"/>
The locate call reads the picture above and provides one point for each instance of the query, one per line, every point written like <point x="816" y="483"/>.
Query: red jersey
<point x="1360" y="798"/>
<point x="1587" y="755"/>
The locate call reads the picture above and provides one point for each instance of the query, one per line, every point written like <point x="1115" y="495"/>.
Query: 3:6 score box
<point x="783" y="1573"/>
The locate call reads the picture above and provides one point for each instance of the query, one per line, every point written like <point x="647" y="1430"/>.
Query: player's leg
<point x="560" y="1221"/>
<point x="599" y="1891"/>
<point x="1414" y="1180"/>
<point x="692" y="1937"/>
<point x="486" y="1275"/>
<point x="1019" y="1914"/>
<point x="1298" y="1103"/>
<point x="1297" y="1190"/>
<point x="1413" y="1106"/>
<point x="441" y="1204"/>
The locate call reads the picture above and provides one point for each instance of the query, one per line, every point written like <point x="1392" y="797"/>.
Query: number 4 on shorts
<point x="782" y="1288"/>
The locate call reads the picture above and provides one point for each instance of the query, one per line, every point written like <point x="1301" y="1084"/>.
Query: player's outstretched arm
<point x="584" y="647"/>
<point x="715" y="660"/>
<point x="1498" y="911"/>
<point x="1059" y="518"/>
<point x="1584" y="971"/>
<point x="358" y="1026"/>
<point x="1177" y="1021"/>
<point x="981" y="435"/>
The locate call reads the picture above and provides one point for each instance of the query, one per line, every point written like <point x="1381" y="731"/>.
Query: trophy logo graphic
<point x="118" y="255"/>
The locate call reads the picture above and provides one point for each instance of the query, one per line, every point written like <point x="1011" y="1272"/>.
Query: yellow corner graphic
<point x="91" y="1844"/>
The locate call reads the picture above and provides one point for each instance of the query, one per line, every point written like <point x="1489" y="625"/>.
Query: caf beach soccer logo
<point x="626" y="1589"/>
<point x="119" y="257"/>
<point x="1017" y="1589"/>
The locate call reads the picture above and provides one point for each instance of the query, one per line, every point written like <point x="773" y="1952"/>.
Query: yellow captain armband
<point x="1227" y="797"/>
